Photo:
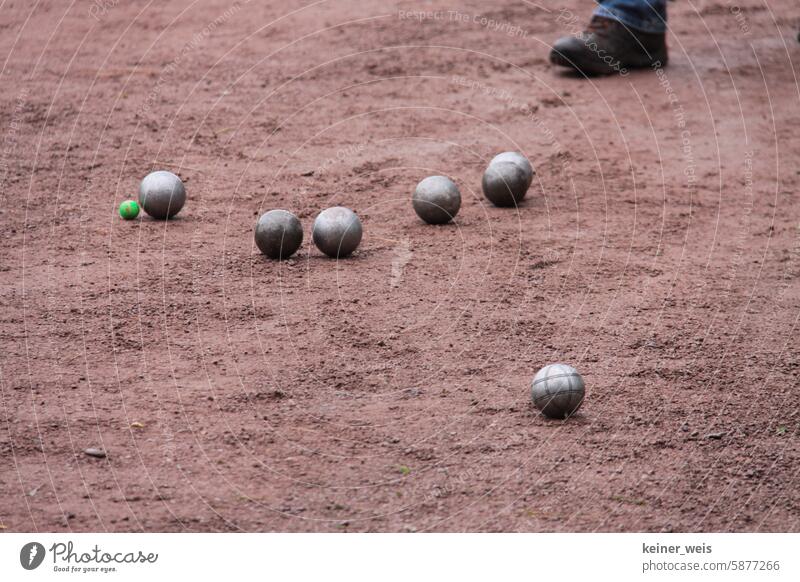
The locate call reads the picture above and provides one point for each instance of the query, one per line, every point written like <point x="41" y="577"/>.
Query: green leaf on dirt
<point x="781" y="430"/>
<point x="404" y="470"/>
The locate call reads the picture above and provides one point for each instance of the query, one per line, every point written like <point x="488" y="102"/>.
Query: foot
<point x="608" y="47"/>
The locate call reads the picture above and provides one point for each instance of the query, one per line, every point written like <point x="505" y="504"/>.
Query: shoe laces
<point x="599" y="25"/>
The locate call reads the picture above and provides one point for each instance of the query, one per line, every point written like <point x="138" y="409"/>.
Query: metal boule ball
<point x="436" y="200"/>
<point x="337" y="231"/>
<point x="278" y="234"/>
<point x="162" y="194"/>
<point x="504" y="184"/>
<point x="520" y="160"/>
<point x="558" y="390"/>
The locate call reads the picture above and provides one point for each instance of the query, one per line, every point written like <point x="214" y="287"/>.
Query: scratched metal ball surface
<point x="279" y="234"/>
<point x="520" y="160"/>
<point x="162" y="194"/>
<point x="436" y="200"/>
<point x="558" y="390"/>
<point x="504" y="184"/>
<point x="337" y="231"/>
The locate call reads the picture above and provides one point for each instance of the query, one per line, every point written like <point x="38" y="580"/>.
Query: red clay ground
<point x="658" y="251"/>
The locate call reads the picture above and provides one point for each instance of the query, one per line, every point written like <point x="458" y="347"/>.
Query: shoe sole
<point x="595" y="68"/>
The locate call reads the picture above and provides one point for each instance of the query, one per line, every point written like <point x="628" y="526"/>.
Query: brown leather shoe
<point x="608" y="47"/>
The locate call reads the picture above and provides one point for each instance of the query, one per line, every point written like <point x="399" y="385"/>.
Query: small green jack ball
<point x="129" y="209"/>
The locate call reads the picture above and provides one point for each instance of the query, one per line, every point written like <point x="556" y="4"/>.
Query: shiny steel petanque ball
<point x="436" y="200"/>
<point x="278" y="234"/>
<point x="162" y="194"/>
<point x="504" y="183"/>
<point x="520" y="160"/>
<point x="558" y="390"/>
<point x="337" y="231"/>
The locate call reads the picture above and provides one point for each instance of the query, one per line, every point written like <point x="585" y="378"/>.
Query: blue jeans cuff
<point x="654" y="24"/>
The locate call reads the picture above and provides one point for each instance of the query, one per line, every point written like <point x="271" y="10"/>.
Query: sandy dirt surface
<point x="658" y="251"/>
